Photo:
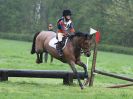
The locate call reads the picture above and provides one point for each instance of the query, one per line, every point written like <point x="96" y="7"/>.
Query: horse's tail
<point x="33" y="44"/>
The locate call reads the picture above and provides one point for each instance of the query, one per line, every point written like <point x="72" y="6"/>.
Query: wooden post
<point x="68" y="79"/>
<point x="93" y="65"/>
<point x="3" y="76"/>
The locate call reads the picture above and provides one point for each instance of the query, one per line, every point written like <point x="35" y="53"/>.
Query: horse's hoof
<point x="86" y="82"/>
<point x="38" y="62"/>
<point x="82" y="86"/>
<point x="41" y="61"/>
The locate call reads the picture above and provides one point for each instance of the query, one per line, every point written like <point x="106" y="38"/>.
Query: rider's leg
<point x="59" y="44"/>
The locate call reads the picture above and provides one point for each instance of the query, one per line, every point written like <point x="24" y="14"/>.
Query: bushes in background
<point x="116" y="48"/>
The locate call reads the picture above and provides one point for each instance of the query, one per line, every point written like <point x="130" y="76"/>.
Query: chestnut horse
<point x="71" y="53"/>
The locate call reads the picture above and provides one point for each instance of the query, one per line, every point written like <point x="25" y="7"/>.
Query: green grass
<point x="16" y="55"/>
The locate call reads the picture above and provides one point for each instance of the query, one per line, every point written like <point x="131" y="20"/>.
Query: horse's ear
<point x="86" y="36"/>
<point x="91" y="36"/>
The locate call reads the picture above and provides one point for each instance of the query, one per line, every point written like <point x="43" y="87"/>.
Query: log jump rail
<point x="67" y="76"/>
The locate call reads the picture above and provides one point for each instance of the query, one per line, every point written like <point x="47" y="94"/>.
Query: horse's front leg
<point x="84" y="66"/>
<point x="72" y="64"/>
<point x="85" y="70"/>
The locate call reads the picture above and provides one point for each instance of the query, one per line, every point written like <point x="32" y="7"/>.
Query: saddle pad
<point x="53" y="42"/>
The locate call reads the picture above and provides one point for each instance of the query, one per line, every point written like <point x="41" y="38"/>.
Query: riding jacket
<point x="64" y="27"/>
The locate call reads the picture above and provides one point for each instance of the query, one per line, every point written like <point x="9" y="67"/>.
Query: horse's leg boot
<point x="59" y="49"/>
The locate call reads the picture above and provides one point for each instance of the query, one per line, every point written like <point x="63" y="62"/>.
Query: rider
<point x="64" y="25"/>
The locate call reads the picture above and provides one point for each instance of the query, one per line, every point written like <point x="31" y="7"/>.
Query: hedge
<point x="17" y="36"/>
<point x="101" y="47"/>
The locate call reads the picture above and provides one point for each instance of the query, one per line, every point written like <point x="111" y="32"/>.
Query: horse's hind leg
<point x="39" y="58"/>
<point x="46" y="57"/>
<point x="51" y="59"/>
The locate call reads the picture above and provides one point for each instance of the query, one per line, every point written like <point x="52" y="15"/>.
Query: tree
<point x="119" y="21"/>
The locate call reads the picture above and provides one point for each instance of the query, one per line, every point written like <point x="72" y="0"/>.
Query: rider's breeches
<point x="60" y="36"/>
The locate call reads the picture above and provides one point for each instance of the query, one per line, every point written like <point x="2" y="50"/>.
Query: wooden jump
<point x="94" y="70"/>
<point x="114" y="75"/>
<point x="67" y="76"/>
<point x="120" y="86"/>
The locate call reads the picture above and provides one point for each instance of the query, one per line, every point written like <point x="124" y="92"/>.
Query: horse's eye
<point x="86" y="43"/>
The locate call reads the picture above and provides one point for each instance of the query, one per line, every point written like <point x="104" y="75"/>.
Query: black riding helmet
<point x="67" y="12"/>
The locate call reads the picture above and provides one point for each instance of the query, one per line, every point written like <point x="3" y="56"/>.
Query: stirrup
<point x="60" y="53"/>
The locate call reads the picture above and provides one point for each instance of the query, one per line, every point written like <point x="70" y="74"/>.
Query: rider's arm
<point x="72" y="30"/>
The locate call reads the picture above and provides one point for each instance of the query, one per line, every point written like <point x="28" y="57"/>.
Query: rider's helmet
<point x="67" y="12"/>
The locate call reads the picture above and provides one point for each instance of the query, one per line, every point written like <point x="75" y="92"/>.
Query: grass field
<point x="16" y="55"/>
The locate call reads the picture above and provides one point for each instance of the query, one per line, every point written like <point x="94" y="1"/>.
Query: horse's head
<point x="84" y="41"/>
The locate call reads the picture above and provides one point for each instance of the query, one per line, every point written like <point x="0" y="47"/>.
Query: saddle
<point x="53" y="42"/>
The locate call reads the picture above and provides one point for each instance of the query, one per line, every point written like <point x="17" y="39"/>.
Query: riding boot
<point x="59" y="48"/>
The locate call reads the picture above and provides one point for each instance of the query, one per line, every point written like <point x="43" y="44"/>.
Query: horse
<point x="71" y="52"/>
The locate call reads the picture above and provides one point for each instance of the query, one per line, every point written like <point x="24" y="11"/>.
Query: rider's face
<point x="68" y="17"/>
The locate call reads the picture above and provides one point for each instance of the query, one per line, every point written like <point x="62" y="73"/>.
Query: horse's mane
<point x="79" y="34"/>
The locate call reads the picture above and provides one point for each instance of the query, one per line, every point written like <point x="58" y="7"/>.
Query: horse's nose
<point x="88" y="54"/>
